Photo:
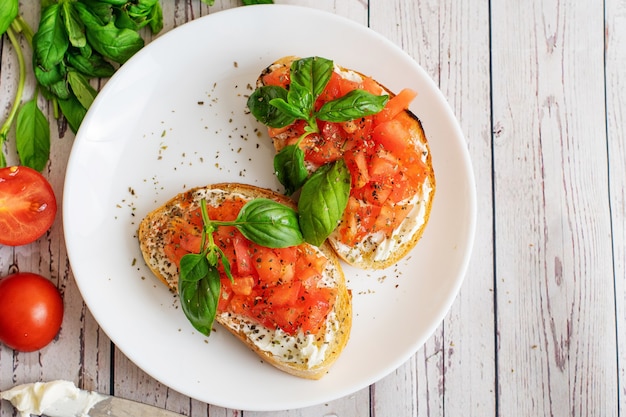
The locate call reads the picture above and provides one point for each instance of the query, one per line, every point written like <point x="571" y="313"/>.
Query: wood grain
<point x="552" y="248"/>
<point x="615" y="38"/>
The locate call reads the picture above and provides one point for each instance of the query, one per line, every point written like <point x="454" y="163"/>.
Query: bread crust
<point x="365" y="256"/>
<point x="333" y="336"/>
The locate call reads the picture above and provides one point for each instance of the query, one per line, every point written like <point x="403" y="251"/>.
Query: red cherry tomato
<point x="27" y="205"/>
<point x="31" y="311"/>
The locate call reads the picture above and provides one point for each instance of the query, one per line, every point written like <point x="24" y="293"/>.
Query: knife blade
<point x="63" y="399"/>
<point x="120" y="407"/>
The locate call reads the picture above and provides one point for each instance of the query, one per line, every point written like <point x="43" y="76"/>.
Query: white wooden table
<point x="539" y="327"/>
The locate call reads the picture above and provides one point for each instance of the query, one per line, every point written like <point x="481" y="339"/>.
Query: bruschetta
<point x="387" y="153"/>
<point x="289" y="305"/>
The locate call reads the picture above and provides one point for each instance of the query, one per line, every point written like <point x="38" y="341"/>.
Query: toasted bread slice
<point x="375" y="249"/>
<point x="302" y="354"/>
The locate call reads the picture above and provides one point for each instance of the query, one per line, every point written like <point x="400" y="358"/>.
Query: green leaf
<point x="311" y="73"/>
<point x="8" y="13"/>
<point x="116" y="44"/>
<point x="193" y="267"/>
<point x="251" y="2"/>
<point x="50" y="42"/>
<point x="290" y="168"/>
<point x="269" y="223"/>
<point x="32" y="136"/>
<point x="264" y="112"/>
<point x="301" y="99"/>
<point x="355" y="104"/>
<point x="73" y="26"/>
<point x="323" y="200"/>
<point x="73" y="111"/>
<point x="209" y="2"/>
<point x="81" y="88"/>
<point x="199" y="296"/>
<point x="50" y="76"/>
<point x="93" y="66"/>
<point x="291" y="110"/>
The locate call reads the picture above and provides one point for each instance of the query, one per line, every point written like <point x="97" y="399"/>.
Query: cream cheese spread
<point x="54" y="399"/>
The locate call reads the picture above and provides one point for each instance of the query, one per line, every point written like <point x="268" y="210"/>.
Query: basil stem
<point x="323" y="200"/>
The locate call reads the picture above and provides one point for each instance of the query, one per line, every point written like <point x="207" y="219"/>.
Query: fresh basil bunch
<point x="80" y="40"/>
<point x="75" y="41"/>
<point x="262" y="221"/>
<point x="325" y="194"/>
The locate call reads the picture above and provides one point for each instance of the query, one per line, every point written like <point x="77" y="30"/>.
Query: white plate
<point x="174" y="117"/>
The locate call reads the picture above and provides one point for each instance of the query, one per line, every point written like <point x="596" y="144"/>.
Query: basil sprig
<point x="278" y="107"/>
<point x="322" y="201"/>
<point x="262" y="221"/>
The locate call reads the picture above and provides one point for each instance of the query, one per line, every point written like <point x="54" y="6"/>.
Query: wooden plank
<point x="616" y="120"/>
<point x="555" y="314"/>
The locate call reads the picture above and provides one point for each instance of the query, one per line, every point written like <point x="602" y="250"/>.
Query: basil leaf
<point x="50" y="42"/>
<point x="8" y="13"/>
<point x="264" y="112"/>
<point x="269" y="223"/>
<point x="291" y="110"/>
<point x="225" y="263"/>
<point x="355" y="104"/>
<point x="300" y="98"/>
<point x="323" y="200"/>
<point x="116" y="44"/>
<point x="32" y="136"/>
<point x="290" y="169"/>
<point x="311" y="73"/>
<point x="81" y="88"/>
<point x="49" y="76"/>
<point x="199" y="292"/>
<point x="73" y="112"/>
<point x="94" y="65"/>
<point x="73" y="25"/>
<point x="193" y="267"/>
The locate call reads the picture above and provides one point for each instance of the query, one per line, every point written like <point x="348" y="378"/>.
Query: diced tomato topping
<point x="384" y="165"/>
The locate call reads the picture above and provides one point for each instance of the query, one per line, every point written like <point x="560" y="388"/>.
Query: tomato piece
<point x="395" y="106"/>
<point x="331" y="91"/>
<point x="267" y="264"/>
<point x="283" y="295"/>
<point x="391" y="216"/>
<point x="382" y="165"/>
<point x="31" y="311"/>
<point x="242" y="254"/>
<point x="319" y="302"/>
<point x="243" y="285"/>
<point x="286" y="318"/>
<point x="279" y="77"/>
<point x="371" y="86"/>
<point x="326" y="147"/>
<point x="27" y="205"/>
<point x="393" y="136"/>
<point x="359" y="171"/>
